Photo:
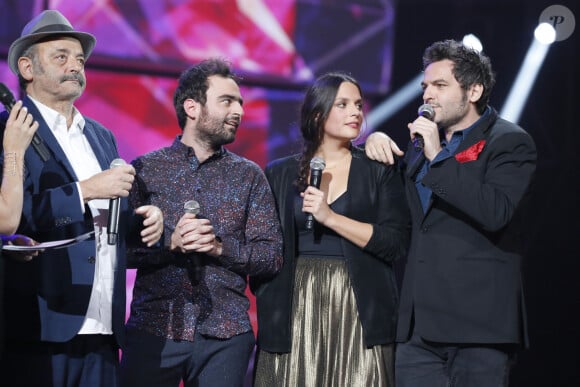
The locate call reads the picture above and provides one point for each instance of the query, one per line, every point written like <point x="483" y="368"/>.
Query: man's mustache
<point x="73" y="77"/>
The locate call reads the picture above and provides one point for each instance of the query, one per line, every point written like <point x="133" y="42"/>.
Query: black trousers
<point x="421" y="363"/>
<point x="150" y="360"/>
<point x="86" y="360"/>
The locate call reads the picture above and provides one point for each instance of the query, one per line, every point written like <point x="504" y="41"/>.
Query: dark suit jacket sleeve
<point x="391" y="228"/>
<point x="489" y="200"/>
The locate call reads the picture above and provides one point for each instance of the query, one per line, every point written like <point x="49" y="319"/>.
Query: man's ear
<point x="191" y="108"/>
<point x="474" y="93"/>
<point x="25" y="67"/>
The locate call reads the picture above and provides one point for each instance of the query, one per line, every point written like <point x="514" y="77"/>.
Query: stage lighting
<point x="473" y="42"/>
<point x="544" y="36"/>
<point x="409" y="92"/>
<point x="545" y="33"/>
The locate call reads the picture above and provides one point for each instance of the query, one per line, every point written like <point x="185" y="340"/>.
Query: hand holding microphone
<point x="428" y="112"/>
<point x="194" y="234"/>
<point x="8" y="101"/>
<point x="317" y="165"/>
<point x="193" y="207"/>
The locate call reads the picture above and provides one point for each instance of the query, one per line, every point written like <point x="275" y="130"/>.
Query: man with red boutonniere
<point x="468" y="174"/>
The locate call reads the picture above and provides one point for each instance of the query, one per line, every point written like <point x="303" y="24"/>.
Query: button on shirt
<point x="79" y="153"/>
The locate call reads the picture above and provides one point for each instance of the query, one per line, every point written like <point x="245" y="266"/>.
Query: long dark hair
<point x="315" y="109"/>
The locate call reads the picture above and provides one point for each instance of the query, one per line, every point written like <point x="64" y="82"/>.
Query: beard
<point x="214" y="131"/>
<point x="456" y="115"/>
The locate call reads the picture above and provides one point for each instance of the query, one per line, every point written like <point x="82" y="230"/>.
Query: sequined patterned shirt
<point x="177" y="293"/>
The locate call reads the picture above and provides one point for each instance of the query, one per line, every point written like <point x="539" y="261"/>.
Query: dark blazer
<point x="47" y="298"/>
<point x="376" y="196"/>
<point x="463" y="276"/>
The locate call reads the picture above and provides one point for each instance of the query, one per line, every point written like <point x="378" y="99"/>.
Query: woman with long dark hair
<point x="328" y="318"/>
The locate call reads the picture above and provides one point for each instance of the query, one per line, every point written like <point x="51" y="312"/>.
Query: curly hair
<point x="470" y="67"/>
<point x="193" y="83"/>
<point x="314" y="111"/>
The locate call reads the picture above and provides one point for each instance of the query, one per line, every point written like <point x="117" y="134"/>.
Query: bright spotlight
<point x="473" y="42"/>
<point x="512" y="109"/>
<point x="545" y="33"/>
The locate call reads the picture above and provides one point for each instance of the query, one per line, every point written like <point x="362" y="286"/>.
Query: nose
<point x="427" y="94"/>
<point x="75" y="68"/>
<point x="75" y="65"/>
<point x="238" y="110"/>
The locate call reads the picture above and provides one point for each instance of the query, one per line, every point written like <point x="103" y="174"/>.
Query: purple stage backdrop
<point x="278" y="46"/>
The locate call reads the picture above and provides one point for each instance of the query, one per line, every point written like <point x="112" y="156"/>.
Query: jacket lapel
<point x="478" y="133"/>
<point x="413" y="161"/>
<point x="97" y="146"/>
<point x="50" y="141"/>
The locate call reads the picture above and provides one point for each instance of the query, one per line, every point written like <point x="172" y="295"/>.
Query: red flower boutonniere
<point x="471" y="153"/>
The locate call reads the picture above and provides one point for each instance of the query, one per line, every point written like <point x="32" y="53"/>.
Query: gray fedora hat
<point x="44" y="25"/>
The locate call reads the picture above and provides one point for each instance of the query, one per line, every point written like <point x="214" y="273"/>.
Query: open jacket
<point x="462" y="283"/>
<point x="377" y="197"/>
<point x="47" y="298"/>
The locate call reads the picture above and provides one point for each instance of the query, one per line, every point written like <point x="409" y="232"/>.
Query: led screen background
<point x="276" y="46"/>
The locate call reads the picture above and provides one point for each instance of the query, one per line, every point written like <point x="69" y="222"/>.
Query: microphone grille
<point x="117" y="163"/>
<point x="317" y="163"/>
<point x="191" y="207"/>
<point x="426" y="111"/>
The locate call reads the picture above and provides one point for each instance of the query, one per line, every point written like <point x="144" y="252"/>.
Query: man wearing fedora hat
<point x="65" y="310"/>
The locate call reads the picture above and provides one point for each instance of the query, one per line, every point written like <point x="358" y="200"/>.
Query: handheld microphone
<point x="317" y="165"/>
<point x="114" y="209"/>
<point x="8" y="101"/>
<point x="428" y="112"/>
<point x="191" y="207"/>
<point x="6" y="97"/>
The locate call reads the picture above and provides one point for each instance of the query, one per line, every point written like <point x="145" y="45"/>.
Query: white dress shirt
<point x="77" y="149"/>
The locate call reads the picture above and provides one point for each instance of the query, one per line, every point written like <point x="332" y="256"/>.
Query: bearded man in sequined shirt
<point x="189" y="319"/>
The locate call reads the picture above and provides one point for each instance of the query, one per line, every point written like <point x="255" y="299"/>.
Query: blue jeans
<point x="421" y="363"/>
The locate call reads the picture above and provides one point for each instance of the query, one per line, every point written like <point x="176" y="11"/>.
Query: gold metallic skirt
<point x="327" y="338"/>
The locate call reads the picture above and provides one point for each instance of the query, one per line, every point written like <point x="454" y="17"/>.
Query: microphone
<point x="191" y="207"/>
<point x="317" y="165"/>
<point x="114" y="208"/>
<point x="8" y="101"/>
<point x="426" y="111"/>
<point x="6" y="97"/>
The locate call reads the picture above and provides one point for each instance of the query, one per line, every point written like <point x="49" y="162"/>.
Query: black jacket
<point x="377" y="197"/>
<point x="463" y="280"/>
